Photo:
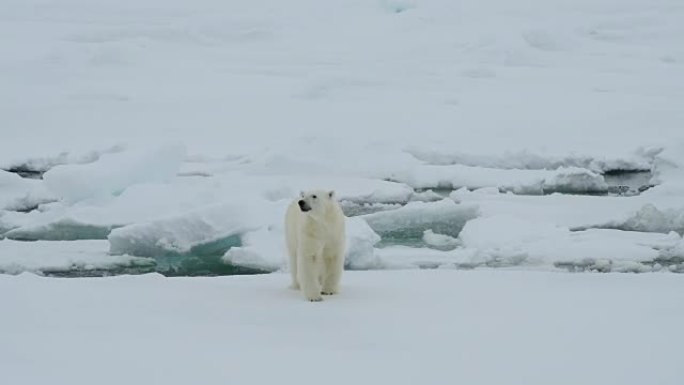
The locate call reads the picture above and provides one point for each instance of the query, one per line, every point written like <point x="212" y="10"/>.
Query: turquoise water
<point x="203" y="260"/>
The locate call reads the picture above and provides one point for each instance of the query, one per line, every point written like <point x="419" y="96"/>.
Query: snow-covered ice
<point x="513" y="241"/>
<point x="439" y="240"/>
<point x="67" y="258"/>
<point x="412" y="220"/>
<point x="567" y="180"/>
<point x="111" y="174"/>
<point x="21" y="194"/>
<point x="399" y="327"/>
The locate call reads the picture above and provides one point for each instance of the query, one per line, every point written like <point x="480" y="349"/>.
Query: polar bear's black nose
<point x="303" y="206"/>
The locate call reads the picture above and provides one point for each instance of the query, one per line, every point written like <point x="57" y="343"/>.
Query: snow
<point x="499" y="231"/>
<point x="156" y="200"/>
<point x="440" y="241"/>
<point x="180" y="234"/>
<point x="111" y="174"/>
<point x="641" y="158"/>
<point x="400" y="327"/>
<point x="649" y="218"/>
<point x="361" y="240"/>
<point x="61" y="230"/>
<point x="536" y="78"/>
<point x="18" y="193"/>
<point x="578" y="211"/>
<point x="63" y="257"/>
<point x="569" y="180"/>
<point x="670" y="255"/>
<point x="514" y="241"/>
<point x="413" y="257"/>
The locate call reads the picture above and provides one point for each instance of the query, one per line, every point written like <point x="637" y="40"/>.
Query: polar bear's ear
<point x="331" y="193"/>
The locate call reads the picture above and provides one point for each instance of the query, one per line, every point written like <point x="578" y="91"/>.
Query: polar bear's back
<point x="336" y="223"/>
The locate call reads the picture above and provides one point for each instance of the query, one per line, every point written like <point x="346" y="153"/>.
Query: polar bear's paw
<point x="315" y="298"/>
<point x="329" y="292"/>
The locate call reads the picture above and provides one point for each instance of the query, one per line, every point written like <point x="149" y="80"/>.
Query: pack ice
<point x="163" y="136"/>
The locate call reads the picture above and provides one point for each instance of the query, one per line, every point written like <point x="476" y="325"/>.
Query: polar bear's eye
<point x="313" y="196"/>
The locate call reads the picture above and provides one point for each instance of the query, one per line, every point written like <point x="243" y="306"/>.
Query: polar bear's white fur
<point x="315" y="235"/>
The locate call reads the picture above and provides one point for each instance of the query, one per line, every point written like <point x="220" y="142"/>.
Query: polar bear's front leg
<point x="334" y="265"/>
<point x="308" y="274"/>
<point x="309" y="264"/>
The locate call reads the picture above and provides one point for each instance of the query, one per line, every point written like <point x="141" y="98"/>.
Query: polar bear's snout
<point x="303" y="205"/>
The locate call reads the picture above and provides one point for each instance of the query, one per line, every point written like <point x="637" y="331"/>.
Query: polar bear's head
<point x="316" y="201"/>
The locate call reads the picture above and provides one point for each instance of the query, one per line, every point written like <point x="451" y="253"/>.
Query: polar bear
<point x="315" y="234"/>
